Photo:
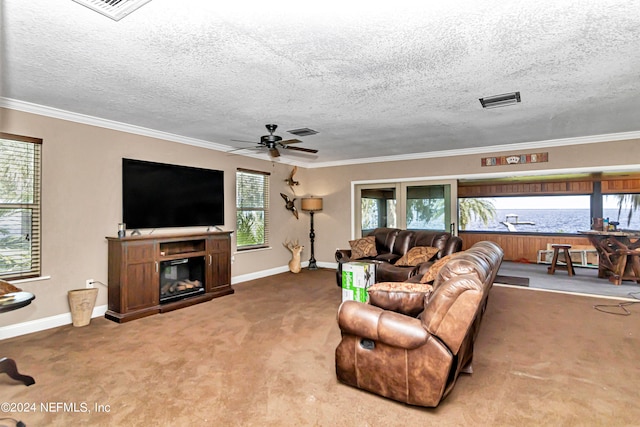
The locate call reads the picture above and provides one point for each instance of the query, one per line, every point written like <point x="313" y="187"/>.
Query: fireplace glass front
<point x="181" y="278"/>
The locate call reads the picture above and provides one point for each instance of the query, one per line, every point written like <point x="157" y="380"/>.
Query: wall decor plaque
<point x="516" y="159"/>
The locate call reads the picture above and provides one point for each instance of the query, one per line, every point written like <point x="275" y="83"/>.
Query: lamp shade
<point x="312" y="204"/>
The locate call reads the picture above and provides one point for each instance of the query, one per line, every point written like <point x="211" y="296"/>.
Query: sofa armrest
<point x="377" y="324"/>
<point x="343" y="255"/>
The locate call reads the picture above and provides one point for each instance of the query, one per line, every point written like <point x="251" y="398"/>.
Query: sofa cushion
<point x="417" y="255"/>
<point x="385" y="238"/>
<point x="431" y="275"/>
<point x="401" y="297"/>
<point x="363" y="248"/>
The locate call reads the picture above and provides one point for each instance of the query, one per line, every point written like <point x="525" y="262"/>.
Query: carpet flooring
<point x="265" y="357"/>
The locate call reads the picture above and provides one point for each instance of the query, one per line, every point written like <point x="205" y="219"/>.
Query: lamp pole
<point x="311" y="205"/>
<point x="312" y="236"/>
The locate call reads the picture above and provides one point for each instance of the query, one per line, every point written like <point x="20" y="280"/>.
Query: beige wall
<point x="81" y="200"/>
<point x="82" y="203"/>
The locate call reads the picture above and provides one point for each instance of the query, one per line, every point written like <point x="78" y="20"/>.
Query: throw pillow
<point x="433" y="271"/>
<point x="417" y="255"/>
<point x="401" y="297"/>
<point x="363" y="248"/>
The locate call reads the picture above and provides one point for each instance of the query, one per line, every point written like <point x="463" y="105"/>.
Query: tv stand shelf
<point x="134" y="278"/>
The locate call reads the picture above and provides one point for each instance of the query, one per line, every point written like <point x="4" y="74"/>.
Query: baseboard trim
<point x="277" y="270"/>
<point x="45" y="323"/>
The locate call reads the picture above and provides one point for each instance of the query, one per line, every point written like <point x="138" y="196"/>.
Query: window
<point x="252" y="209"/>
<point x="531" y="214"/>
<point x="19" y="206"/>
<point x="623" y="209"/>
<point x="378" y="208"/>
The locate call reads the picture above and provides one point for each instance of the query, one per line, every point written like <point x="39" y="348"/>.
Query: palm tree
<point x="472" y="208"/>
<point x="632" y="201"/>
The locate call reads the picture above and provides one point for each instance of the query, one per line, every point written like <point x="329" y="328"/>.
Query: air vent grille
<point x="114" y="9"/>
<point x="500" y="100"/>
<point x="303" y="132"/>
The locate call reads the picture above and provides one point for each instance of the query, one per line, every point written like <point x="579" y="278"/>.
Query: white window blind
<point x="252" y="209"/>
<point x="19" y="206"/>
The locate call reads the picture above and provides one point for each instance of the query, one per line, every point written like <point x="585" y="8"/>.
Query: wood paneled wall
<point x="520" y="246"/>
<point x="621" y="186"/>
<point x="525" y="188"/>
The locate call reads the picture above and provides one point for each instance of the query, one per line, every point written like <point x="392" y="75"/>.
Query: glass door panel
<point x="378" y="208"/>
<point x="428" y="207"/>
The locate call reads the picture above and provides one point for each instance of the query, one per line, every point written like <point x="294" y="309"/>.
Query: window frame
<point x="241" y="206"/>
<point x="35" y="232"/>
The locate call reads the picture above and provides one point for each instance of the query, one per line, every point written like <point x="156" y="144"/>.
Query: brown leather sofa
<point x="393" y="243"/>
<point x="417" y="360"/>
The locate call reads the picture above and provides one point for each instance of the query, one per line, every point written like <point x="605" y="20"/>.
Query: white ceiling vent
<point x="114" y="9"/>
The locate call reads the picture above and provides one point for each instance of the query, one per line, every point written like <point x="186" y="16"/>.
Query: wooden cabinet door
<point x="142" y="288"/>
<point x="218" y="262"/>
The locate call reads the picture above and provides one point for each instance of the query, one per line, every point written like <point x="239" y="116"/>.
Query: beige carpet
<point x="265" y="357"/>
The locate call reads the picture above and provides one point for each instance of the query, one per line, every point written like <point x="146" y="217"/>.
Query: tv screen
<point x="156" y="195"/>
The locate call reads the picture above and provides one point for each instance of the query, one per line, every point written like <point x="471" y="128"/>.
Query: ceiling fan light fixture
<point x="500" y="100"/>
<point x="114" y="9"/>
<point x="303" y="132"/>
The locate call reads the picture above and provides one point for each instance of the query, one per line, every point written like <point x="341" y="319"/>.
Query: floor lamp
<point x="312" y="205"/>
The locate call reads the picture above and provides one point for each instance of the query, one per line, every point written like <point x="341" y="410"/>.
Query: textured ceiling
<point x="375" y="81"/>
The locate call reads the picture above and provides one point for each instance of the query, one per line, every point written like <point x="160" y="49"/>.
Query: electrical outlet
<point x="90" y="283"/>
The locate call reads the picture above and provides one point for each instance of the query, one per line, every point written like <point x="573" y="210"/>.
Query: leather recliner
<point x="417" y="360"/>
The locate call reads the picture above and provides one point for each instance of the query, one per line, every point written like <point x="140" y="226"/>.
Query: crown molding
<point x="591" y="139"/>
<point x="56" y="113"/>
<point x="42" y="110"/>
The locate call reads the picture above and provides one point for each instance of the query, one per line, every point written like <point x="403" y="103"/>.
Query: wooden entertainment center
<point x="135" y="264"/>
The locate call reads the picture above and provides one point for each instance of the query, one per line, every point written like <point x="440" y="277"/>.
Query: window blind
<point x="20" y="163"/>
<point x="252" y="209"/>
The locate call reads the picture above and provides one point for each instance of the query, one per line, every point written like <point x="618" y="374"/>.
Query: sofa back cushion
<point x="385" y="238"/>
<point x="403" y="242"/>
<point x="459" y="293"/>
<point x="451" y="309"/>
<point x="436" y="239"/>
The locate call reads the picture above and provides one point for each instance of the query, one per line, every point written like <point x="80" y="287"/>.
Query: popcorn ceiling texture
<point x="373" y="80"/>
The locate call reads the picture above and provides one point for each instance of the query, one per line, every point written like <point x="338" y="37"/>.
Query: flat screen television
<point x="156" y="195"/>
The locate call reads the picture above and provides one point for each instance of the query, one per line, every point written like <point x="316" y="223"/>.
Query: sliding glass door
<point x="408" y="205"/>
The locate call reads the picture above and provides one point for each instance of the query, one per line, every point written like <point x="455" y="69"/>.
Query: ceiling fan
<point x="273" y="142"/>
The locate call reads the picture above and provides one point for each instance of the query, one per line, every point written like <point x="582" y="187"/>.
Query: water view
<point x="551" y="220"/>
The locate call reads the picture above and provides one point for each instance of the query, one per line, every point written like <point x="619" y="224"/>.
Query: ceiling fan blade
<point x="306" y="150"/>
<point x="290" y="141"/>
<point x="273" y="152"/>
